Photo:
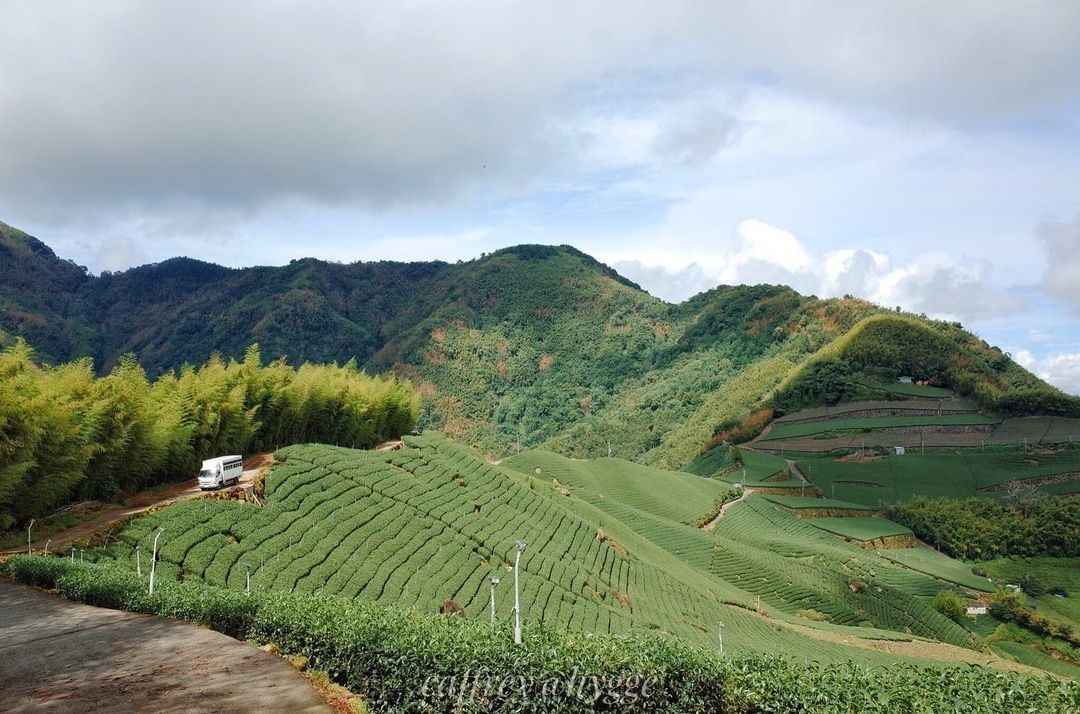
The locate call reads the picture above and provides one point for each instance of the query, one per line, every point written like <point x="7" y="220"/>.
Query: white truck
<point x="222" y="471"/>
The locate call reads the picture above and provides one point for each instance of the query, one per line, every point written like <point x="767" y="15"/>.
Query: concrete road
<point x="59" y="656"/>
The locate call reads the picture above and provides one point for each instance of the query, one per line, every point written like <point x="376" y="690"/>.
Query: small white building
<point x="900" y="450"/>
<point x="973" y="611"/>
<point x="905" y="380"/>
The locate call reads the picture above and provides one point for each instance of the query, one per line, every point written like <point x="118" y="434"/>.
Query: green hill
<point x="531" y="345"/>
<point x="432" y="522"/>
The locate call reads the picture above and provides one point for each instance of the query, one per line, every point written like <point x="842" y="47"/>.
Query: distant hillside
<point x="526" y="346"/>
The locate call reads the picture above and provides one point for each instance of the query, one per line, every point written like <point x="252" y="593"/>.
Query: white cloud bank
<point x="936" y="284"/>
<point x="1061" y="370"/>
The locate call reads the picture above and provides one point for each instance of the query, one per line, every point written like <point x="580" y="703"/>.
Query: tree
<point x="950" y="605"/>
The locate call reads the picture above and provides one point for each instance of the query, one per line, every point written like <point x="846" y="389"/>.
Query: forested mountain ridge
<point x="528" y="345"/>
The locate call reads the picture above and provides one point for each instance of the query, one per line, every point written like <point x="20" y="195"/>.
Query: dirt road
<point x="142" y="501"/>
<point x="59" y="656"/>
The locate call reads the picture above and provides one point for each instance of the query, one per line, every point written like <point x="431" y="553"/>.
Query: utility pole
<point x="517" y="594"/>
<point x="494" y="582"/>
<point x="28" y="550"/>
<point x="153" y="560"/>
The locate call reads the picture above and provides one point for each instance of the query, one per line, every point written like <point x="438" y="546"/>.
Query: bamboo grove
<point x="66" y="435"/>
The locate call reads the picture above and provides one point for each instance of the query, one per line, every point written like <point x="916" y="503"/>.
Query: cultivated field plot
<point x="864" y="529"/>
<point x="901" y="407"/>
<point x="766" y="552"/>
<point x="941" y="474"/>
<point x="433" y="522"/>
<point x="1037" y="430"/>
<point x="927" y="439"/>
<point x="804" y="429"/>
<point x="939" y="565"/>
<point x="909" y="390"/>
<point x="672" y="494"/>
<point x="807" y="503"/>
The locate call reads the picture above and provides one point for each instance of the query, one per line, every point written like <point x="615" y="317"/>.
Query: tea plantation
<point x="433" y="522"/>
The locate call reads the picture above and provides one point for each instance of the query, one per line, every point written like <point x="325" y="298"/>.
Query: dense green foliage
<point x="529" y="345"/>
<point x="951" y="605"/>
<point x="981" y="529"/>
<point x="69" y="435"/>
<point x="389" y="654"/>
<point x="1009" y="606"/>
<point x="869" y="358"/>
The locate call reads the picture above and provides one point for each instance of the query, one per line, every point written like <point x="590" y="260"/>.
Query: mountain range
<point x="529" y="345"/>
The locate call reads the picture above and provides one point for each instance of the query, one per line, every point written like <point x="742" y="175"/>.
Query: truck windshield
<point x="205" y="473"/>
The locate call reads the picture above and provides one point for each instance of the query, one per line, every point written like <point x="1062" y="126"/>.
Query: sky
<point x="920" y="154"/>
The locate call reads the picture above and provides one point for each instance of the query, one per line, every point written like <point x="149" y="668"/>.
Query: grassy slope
<point x="788" y="563"/>
<point x="401" y="527"/>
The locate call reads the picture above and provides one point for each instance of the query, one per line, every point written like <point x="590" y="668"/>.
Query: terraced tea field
<point x="433" y="522"/>
<point x="914" y="423"/>
<point x="861" y="529"/>
<point x="829" y="426"/>
<point x="609" y="549"/>
<point x="889" y="479"/>
<point x="763" y="549"/>
<point x="931" y="562"/>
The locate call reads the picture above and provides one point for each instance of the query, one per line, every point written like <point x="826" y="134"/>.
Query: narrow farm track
<point x="140" y="503"/>
<point x="60" y="656"/>
<point x="711" y="525"/>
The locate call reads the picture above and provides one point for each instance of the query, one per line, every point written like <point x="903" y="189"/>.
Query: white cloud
<point x="118" y="254"/>
<point x="1061" y="369"/>
<point x="383" y="104"/>
<point x="1061" y="241"/>
<point x="936" y="284"/>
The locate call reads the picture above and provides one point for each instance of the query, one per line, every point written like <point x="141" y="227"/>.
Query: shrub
<point x="1033" y="585"/>
<point x="404" y="660"/>
<point x="950" y="605"/>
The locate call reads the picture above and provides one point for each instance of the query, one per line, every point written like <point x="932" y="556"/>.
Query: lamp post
<point x="153" y="560"/>
<point x="494" y="582"/>
<point x="517" y="595"/>
<point x="47" y="547"/>
<point x="720" y="635"/>
<point x="28" y="550"/>
<point x="138" y="559"/>
<point x="72" y="554"/>
<point x="247" y="585"/>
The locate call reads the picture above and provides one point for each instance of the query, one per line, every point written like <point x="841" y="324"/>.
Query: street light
<point x="28" y="550"/>
<point x="247" y="586"/>
<point x="138" y="559"/>
<point x="720" y="635"/>
<point x="72" y="554"/>
<point x="494" y="582"/>
<point x="517" y="597"/>
<point x="153" y="559"/>
<point x="47" y="547"/>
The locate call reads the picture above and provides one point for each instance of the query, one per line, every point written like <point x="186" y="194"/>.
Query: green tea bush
<point x="403" y="660"/>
